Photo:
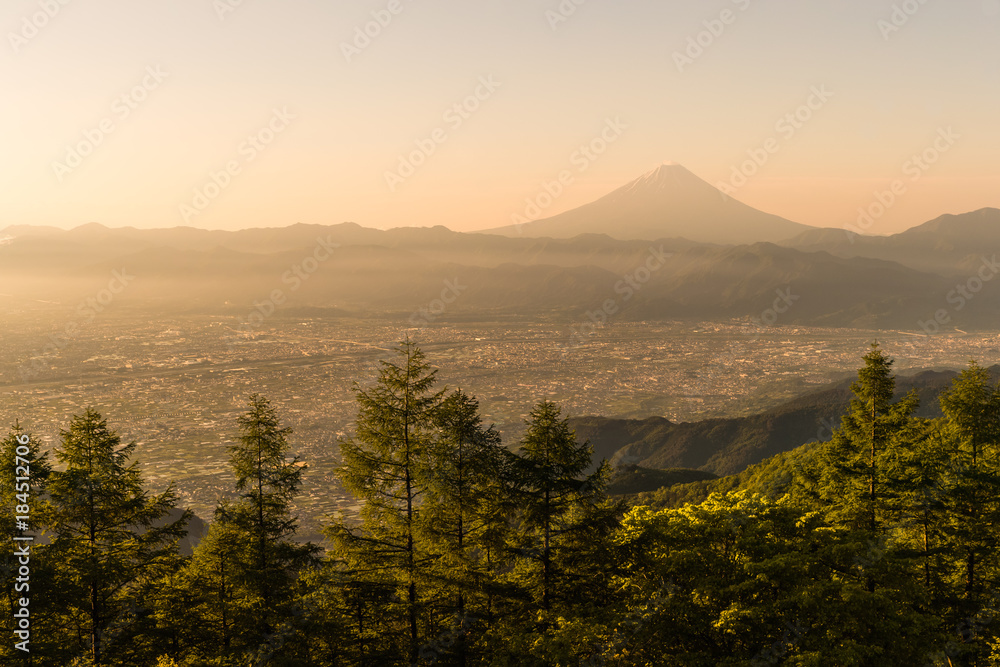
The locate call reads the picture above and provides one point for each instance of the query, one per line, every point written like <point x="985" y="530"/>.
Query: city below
<point x="176" y="385"/>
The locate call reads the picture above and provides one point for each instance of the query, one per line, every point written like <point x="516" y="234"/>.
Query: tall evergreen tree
<point x="208" y="588"/>
<point x="971" y="410"/>
<point x="255" y="535"/>
<point x="383" y="467"/>
<point x="463" y="513"/>
<point x="110" y="534"/>
<point x="862" y="461"/>
<point x="558" y="502"/>
<point x="923" y="493"/>
<point x="971" y="429"/>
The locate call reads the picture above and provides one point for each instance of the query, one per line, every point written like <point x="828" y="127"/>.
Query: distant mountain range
<point x="668" y="201"/>
<point x="951" y="245"/>
<point x="761" y="267"/>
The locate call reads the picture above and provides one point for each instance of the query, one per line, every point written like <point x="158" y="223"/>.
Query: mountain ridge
<point x="727" y="446"/>
<point x="400" y="270"/>
<point x="661" y="203"/>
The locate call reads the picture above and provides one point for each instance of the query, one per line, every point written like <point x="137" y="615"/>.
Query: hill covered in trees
<point x="877" y="547"/>
<point x="728" y="445"/>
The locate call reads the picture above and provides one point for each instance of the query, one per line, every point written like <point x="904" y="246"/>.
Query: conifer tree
<point x="923" y="494"/>
<point x="552" y="494"/>
<point x="463" y="512"/>
<point x="255" y="537"/>
<point x="860" y="481"/>
<point x="211" y="577"/>
<point x="110" y="534"/>
<point x="971" y="410"/>
<point x="971" y="429"/>
<point x="383" y="466"/>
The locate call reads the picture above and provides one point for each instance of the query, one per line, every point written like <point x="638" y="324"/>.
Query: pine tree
<point x="383" y="466"/>
<point x="551" y="464"/>
<point x="109" y="532"/>
<point x="923" y="496"/>
<point x="255" y="537"/>
<point x="971" y="410"/>
<point x="461" y="515"/>
<point x="861" y="474"/>
<point x="971" y="429"/>
<point x="209" y="582"/>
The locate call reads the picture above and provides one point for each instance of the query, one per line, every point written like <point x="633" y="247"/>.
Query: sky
<point x="227" y="114"/>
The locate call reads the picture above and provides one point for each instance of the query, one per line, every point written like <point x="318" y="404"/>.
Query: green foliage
<point x="242" y="577"/>
<point x="964" y="555"/>
<point x="464" y="518"/>
<point x="110" y="539"/>
<point x="774" y="477"/>
<point x="876" y="548"/>
<point x="632" y="479"/>
<point x="563" y="518"/>
<point x="548" y="490"/>
<point x="386" y="466"/>
<point x="861" y="463"/>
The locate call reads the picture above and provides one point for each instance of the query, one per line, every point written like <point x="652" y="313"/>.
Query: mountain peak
<point x="90" y="228"/>
<point x="667" y="169"/>
<point x="666" y="202"/>
<point x="666" y="175"/>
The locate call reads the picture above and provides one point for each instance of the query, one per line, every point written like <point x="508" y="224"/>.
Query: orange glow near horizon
<point x="439" y="119"/>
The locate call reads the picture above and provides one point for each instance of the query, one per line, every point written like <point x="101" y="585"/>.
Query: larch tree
<point x="256" y="531"/>
<point x="383" y="466"/>
<point x="552" y="494"/>
<point x="460" y="513"/>
<point x="971" y="429"/>
<point x="860" y="481"/>
<point x="111" y="535"/>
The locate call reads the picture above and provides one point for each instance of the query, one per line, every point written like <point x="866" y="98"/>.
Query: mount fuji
<point x="666" y="202"/>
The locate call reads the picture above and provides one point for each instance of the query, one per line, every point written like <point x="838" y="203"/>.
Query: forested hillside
<point x="728" y="445"/>
<point x="878" y="547"/>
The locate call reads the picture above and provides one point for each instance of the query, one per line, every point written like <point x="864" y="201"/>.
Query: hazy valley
<point x="167" y="330"/>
